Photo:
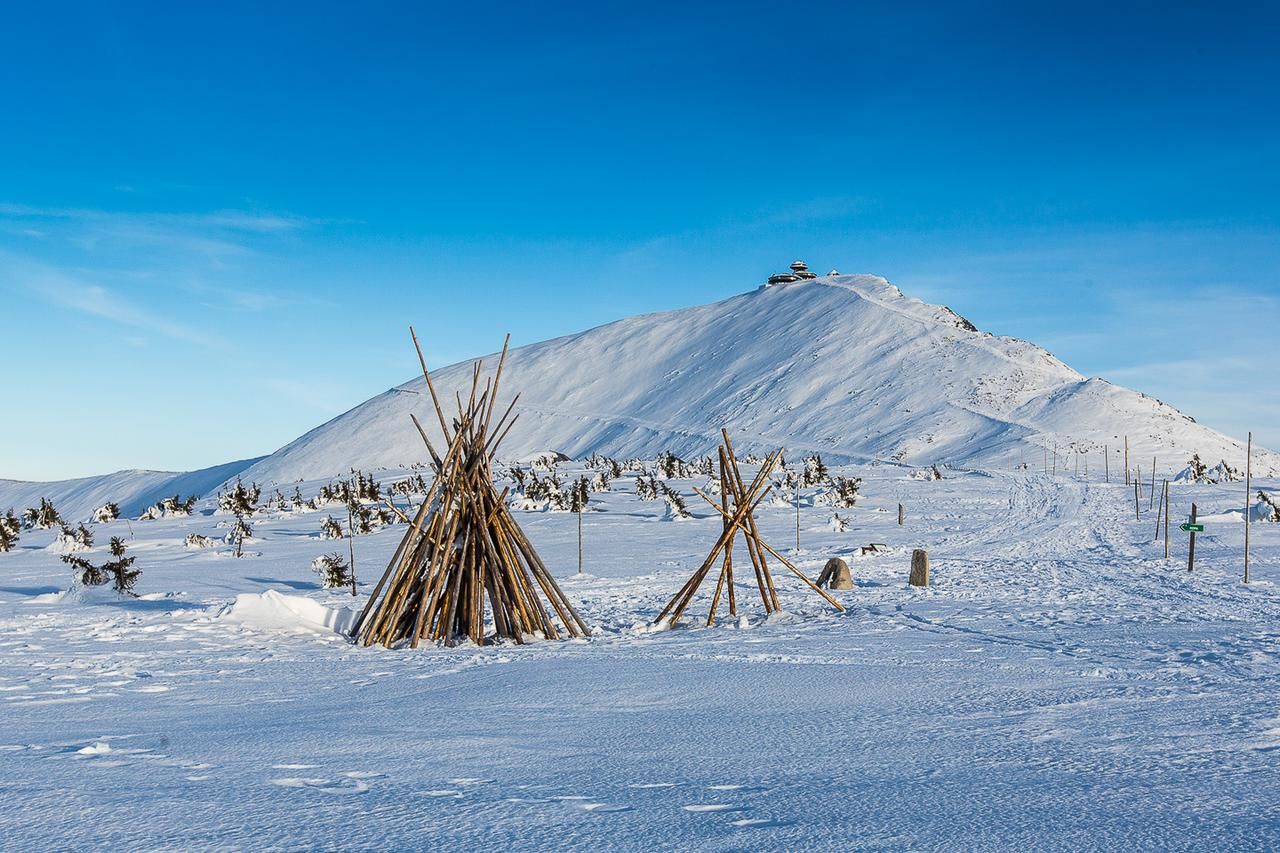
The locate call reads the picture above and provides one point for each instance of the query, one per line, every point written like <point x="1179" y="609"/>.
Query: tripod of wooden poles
<point x="736" y="506"/>
<point x="464" y="545"/>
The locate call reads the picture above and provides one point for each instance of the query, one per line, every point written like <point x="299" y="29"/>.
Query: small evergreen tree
<point x="815" y="471"/>
<point x="8" y="538"/>
<point x="42" y="517"/>
<point x="75" y="538"/>
<point x="197" y="540"/>
<point x="108" y="512"/>
<point x="240" y="531"/>
<point x="330" y="528"/>
<point x="675" y="503"/>
<point x="333" y="570"/>
<point x="647" y="487"/>
<point x="1198" y="469"/>
<point x="240" y="500"/>
<point x="118" y="569"/>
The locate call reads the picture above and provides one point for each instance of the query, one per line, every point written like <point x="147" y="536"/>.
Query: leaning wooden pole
<point x="1248" y="497"/>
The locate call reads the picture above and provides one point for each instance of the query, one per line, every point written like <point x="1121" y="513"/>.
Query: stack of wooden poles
<point x="464" y="546"/>
<point x="736" y="506"/>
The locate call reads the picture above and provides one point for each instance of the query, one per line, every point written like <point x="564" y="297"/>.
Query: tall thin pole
<point x="1106" y="460"/>
<point x="1126" y="460"/>
<point x="1248" y="494"/>
<point x="1136" y="513"/>
<point x="351" y="548"/>
<point x="1153" y="483"/>
<point x="1166" y="519"/>
<point x="798" y="519"/>
<point x="1191" y="549"/>
<point x="579" y="541"/>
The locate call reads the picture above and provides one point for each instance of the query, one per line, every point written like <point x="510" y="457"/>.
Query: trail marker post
<point x="1248" y="492"/>
<point x="1166" y="519"/>
<point x="1190" y="527"/>
<point x="901" y="515"/>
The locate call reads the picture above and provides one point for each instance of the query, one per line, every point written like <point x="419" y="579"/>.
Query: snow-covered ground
<point x="1060" y="685"/>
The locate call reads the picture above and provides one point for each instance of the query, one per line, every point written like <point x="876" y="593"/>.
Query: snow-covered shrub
<point x="108" y="512"/>
<point x="239" y="532"/>
<point x="240" y="500"/>
<point x="600" y="482"/>
<point x="647" y="487"/>
<point x="1197" y="472"/>
<point x="578" y="495"/>
<point x="330" y="528"/>
<point x="197" y="540"/>
<point x="73" y="539"/>
<point x="676" y="508"/>
<point x="1266" y="509"/>
<point x="815" y="472"/>
<point x="118" y="569"/>
<point x="333" y="570"/>
<point x="672" y="467"/>
<point x="843" y="493"/>
<point x="9" y="529"/>
<point x="42" y="517"/>
<point x="838" y="523"/>
<point x="169" y="507"/>
<point x="933" y="472"/>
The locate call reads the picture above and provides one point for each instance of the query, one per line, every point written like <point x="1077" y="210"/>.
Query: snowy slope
<point x="134" y="490"/>
<point x="843" y="365"/>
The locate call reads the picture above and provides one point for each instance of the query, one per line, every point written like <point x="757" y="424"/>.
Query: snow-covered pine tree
<point x="42" y="517"/>
<point x="118" y="569"/>
<point x="579" y="495"/>
<point x="240" y="500"/>
<point x="675" y="503"/>
<point x="843" y="493"/>
<point x="73" y="539"/>
<point x="330" y="528"/>
<point x="647" y="487"/>
<point x="106" y="513"/>
<point x="333" y="570"/>
<point x="240" y="531"/>
<point x="815" y="471"/>
<point x="1197" y="468"/>
<point x="1270" y="508"/>
<point x="197" y="540"/>
<point x="600" y="482"/>
<point x="121" y="568"/>
<point x="8" y="537"/>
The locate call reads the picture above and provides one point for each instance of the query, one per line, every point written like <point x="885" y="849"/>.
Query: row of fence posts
<point x="1134" y="478"/>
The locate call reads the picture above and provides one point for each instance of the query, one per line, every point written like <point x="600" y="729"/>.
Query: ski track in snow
<point x="1060" y="686"/>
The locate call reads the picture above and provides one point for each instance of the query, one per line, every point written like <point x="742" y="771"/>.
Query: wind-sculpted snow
<point x="846" y="366"/>
<point x="1060" y="686"/>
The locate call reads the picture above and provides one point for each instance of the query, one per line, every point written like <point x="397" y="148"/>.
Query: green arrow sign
<point x="1192" y="528"/>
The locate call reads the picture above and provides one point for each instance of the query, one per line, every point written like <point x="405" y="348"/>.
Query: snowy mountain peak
<point x="844" y="365"/>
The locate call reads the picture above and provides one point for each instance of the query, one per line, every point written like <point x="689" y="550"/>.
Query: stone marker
<point x="919" y="567"/>
<point x="835" y="575"/>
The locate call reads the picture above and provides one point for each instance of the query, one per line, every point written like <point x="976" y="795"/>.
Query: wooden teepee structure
<point x="737" y="507"/>
<point x="464" y="546"/>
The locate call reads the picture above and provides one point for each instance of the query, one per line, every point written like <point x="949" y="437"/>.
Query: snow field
<point x="1060" y="686"/>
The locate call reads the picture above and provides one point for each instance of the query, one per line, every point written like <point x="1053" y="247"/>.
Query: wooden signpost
<point x="1192" y="528"/>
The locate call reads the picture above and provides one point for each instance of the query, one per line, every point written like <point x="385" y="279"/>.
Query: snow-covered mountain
<point x="134" y="490"/>
<point x="843" y="365"/>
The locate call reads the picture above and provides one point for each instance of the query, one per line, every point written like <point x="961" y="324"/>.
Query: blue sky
<point x="215" y="223"/>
